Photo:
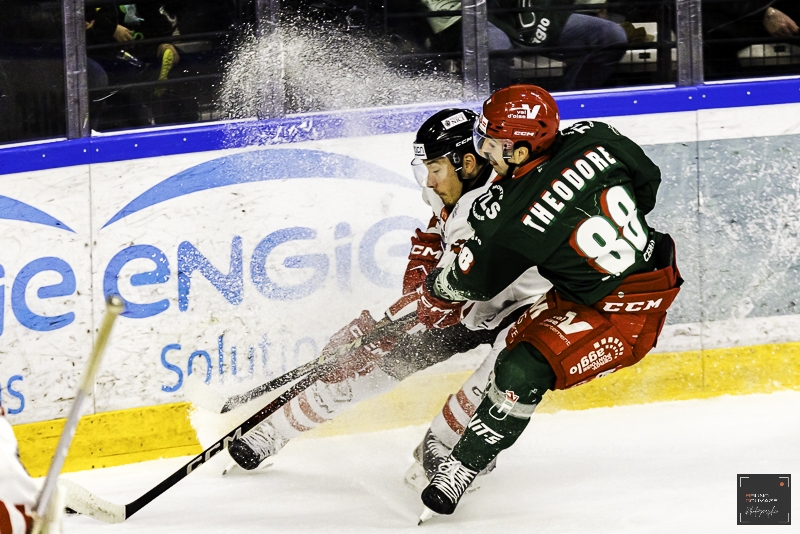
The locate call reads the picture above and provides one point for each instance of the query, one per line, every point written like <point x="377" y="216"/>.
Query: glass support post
<point x="476" y="50"/>
<point x="690" y="42"/>
<point x="76" y="84"/>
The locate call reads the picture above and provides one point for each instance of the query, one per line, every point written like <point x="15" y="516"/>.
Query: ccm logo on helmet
<point x="419" y="150"/>
<point x="632" y="306"/>
<point x="528" y="134"/>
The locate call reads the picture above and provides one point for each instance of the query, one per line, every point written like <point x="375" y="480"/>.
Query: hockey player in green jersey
<point x="572" y="203"/>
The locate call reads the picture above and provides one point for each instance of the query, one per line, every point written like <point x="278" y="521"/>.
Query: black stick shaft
<point x="222" y="444"/>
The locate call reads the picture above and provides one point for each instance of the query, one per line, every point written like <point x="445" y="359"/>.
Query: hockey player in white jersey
<point x="452" y="177"/>
<point x="17" y="490"/>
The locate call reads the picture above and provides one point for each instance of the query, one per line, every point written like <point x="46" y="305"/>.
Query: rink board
<point x="241" y="247"/>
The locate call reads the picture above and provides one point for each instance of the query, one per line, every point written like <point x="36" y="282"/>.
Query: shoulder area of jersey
<point x="487" y="206"/>
<point x="588" y="127"/>
<point x="462" y="207"/>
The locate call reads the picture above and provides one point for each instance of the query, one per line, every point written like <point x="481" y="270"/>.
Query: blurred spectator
<point x="589" y="46"/>
<point x="726" y="23"/>
<point x="111" y="23"/>
<point x="32" y="103"/>
<point x="127" y="22"/>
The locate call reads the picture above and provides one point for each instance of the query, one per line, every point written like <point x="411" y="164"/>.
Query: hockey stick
<point x="380" y="331"/>
<point x="84" y="502"/>
<point x="42" y="513"/>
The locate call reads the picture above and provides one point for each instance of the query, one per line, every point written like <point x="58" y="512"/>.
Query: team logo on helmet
<point x="455" y="120"/>
<point x="524" y="112"/>
<point x="419" y="150"/>
<point x="483" y="123"/>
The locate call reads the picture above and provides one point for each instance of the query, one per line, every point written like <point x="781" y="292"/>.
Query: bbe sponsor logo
<point x="605" y="351"/>
<point x="479" y="427"/>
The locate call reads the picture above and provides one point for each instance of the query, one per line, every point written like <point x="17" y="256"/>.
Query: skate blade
<point x="234" y="469"/>
<point x="426" y="515"/>
<point x="415" y="477"/>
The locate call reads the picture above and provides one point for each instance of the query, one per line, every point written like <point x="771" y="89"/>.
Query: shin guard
<point x="521" y="377"/>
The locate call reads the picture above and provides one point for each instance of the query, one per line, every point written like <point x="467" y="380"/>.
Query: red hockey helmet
<point x="514" y="114"/>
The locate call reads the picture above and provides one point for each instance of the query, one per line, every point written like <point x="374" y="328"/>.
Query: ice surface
<point x="668" y="467"/>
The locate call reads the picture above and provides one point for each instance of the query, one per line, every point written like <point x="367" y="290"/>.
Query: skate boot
<point x="447" y="486"/>
<point x="253" y="448"/>
<point x="428" y="455"/>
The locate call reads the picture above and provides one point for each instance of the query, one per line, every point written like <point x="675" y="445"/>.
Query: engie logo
<point x="187" y="260"/>
<point x="229" y="280"/>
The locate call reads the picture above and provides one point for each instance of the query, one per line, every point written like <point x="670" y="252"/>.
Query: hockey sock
<point x="323" y="401"/>
<point x="449" y="424"/>
<point x="521" y="377"/>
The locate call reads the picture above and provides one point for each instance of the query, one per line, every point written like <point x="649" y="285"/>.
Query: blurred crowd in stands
<point x="160" y="61"/>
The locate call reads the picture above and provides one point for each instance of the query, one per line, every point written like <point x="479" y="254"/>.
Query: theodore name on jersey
<point x="562" y="192"/>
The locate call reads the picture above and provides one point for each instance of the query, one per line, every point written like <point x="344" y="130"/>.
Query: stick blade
<point x="84" y="502"/>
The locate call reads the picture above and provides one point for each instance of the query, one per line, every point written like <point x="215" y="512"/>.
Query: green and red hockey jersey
<point x="579" y="217"/>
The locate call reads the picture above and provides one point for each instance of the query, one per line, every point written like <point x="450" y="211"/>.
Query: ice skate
<point x="428" y="456"/>
<point x="256" y="446"/>
<point x="447" y="486"/>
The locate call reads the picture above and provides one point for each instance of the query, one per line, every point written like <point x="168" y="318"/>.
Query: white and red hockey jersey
<point x="455" y="230"/>
<point x="17" y="490"/>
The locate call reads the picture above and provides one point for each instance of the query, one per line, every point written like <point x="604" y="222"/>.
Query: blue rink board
<point x="306" y="127"/>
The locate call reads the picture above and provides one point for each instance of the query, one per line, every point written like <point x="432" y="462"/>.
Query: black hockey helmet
<point x="447" y="133"/>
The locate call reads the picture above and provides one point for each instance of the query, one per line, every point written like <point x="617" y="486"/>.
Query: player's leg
<point x="449" y="424"/>
<point x="366" y="374"/>
<point x="521" y="377"/>
<point x="355" y="379"/>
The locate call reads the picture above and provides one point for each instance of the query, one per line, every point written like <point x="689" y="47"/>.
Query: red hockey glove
<point x="358" y="361"/>
<point x="434" y="312"/>
<point x="426" y="251"/>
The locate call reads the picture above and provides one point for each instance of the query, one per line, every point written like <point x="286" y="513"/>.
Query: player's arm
<point x="480" y="271"/>
<point x="645" y="175"/>
<point x="426" y="252"/>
